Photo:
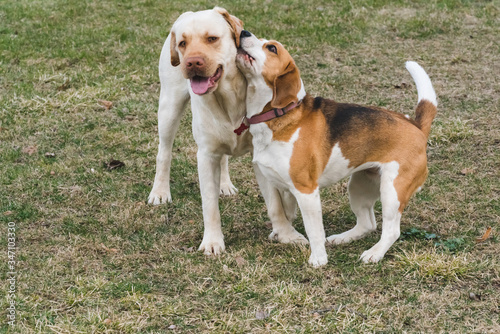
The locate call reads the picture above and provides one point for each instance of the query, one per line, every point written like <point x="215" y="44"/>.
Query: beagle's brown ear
<point x="174" y="55"/>
<point x="235" y="23"/>
<point x="286" y="86"/>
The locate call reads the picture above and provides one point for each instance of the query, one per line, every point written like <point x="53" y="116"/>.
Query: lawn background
<point x="92" y="256"/>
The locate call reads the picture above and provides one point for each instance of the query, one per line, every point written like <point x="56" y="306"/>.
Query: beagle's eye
<point x="272" y="48"/>
<point x="212" y="39"/>
<point x="182" y="44"/>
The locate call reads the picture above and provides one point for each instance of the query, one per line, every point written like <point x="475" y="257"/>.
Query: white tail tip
<point x="422" y="81"/>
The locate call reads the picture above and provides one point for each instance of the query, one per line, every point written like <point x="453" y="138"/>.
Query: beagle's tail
<point x="427" y="102"/>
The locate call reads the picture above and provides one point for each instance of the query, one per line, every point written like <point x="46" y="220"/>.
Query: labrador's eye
<point x="272" y="48"/>
<point x="212" y="39"/>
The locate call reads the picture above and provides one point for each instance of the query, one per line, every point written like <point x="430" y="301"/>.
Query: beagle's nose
<point x="245" y="33"/>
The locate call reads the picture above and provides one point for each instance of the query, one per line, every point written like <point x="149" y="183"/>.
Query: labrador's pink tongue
<point x="199" y="85"/>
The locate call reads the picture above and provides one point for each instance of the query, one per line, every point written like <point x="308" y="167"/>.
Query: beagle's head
<point x="268" y="62"/>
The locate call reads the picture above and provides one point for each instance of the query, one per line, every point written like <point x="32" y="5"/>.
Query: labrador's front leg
<point x="209" y="168"/>
<point x="174" y="96"/>
<point x="170" y="112"/>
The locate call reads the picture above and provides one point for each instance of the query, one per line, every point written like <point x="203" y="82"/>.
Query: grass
<point x="93" y="257"/>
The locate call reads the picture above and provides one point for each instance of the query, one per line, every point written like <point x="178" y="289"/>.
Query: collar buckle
<point x="278" y="112"/>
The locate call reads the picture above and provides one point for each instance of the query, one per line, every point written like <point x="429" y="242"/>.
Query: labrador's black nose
<point x="245" y="33"/>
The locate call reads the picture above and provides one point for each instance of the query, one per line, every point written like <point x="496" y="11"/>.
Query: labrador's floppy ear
<point x="174" y="55"/>
<point x="235" y="23"/>
<point x="286" y="86"/>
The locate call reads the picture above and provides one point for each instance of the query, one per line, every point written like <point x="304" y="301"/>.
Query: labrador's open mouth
<point x="201" y="85"/>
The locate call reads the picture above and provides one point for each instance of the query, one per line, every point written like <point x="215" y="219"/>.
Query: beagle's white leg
<point x="289" y="205"/>
<point x="226" y="186"/>
<point x="390" y="214"/>
<point x="364" y="190"/>
<point x="209" y="175"/>
<point x="281" y="209"/>
<point x="310" y="207"/>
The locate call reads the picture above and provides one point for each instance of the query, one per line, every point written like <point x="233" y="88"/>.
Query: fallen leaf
<point x="114" y="164"/>
<point x="111" y="250"/>
<point x="8" y="213"/>
<point x="107" y="321"/>
<point x="466" y="171"/>
<point x="106" y="104"/>
<point x="261" y="315"/>
<point x="188" y="249"/>
<point x="268" y="224"/>
<point x="402" y="85"/>
<point x="240" y="261"/>
<point x="473" y="296"/>
<point x="52" y="172"/>
<point x="485" y="236"/>
<point x="64" y="86"/>
<point x="30" y="150"/>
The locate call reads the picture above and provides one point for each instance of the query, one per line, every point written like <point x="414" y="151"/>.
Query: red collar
<point x="264" y="117"/>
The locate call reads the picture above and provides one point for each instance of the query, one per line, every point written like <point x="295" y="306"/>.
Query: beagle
<point x="302" y="143"/>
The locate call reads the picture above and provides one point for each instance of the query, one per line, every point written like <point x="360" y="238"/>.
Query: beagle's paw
<point x="338" y="239"/>
<point x="288" y="237"/>
<point x="348" y="236"/>
<point x="371" y="256"/>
